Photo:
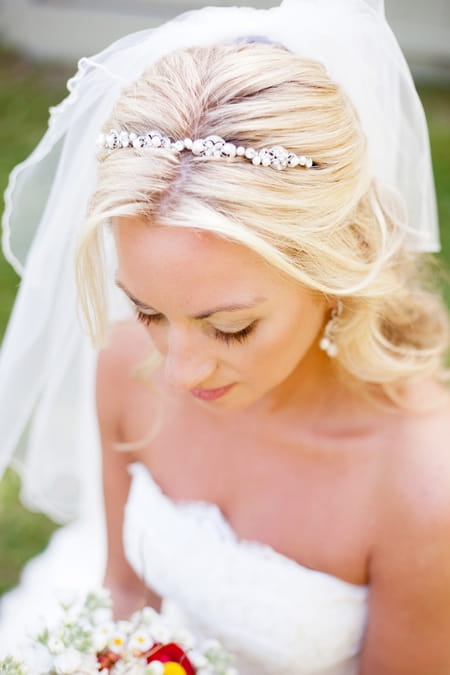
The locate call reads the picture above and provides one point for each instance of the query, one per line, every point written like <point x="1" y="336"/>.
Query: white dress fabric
<point x="72" y="565"/>
<point x="275" y="615"/>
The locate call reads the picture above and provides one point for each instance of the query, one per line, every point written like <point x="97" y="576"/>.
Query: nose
<point x="187" y="364"/>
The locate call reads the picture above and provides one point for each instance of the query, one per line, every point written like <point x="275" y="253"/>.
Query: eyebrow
<point x="204" y="315"/>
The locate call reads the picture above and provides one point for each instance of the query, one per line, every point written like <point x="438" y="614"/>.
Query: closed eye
<point x="147" y="319"/>
<point x="238" y="336"/>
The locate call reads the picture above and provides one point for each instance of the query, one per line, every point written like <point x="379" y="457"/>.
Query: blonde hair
<point x="330" y="227"/>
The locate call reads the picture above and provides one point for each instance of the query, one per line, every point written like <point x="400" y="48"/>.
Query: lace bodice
<point x="274" y="614"/>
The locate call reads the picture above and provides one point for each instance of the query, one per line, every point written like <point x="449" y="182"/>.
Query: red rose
<point x="170" y="652"/>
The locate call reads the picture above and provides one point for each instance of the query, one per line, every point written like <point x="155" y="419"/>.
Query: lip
<point x="211" y="394"/>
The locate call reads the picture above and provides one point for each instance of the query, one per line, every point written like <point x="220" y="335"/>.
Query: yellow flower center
<point x="173" y="668"/>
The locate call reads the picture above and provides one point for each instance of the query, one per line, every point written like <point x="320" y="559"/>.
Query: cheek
<point x="194" y="343"/>
<point x="285" y="340"/>
<point x="158" y="335"/>
<point x="305" y="325"/>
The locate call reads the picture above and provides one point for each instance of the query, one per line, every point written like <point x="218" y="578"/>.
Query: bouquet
<point x="87" y="641"/>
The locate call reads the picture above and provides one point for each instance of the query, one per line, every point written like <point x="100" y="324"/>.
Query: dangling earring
<point x="327" y="342"/>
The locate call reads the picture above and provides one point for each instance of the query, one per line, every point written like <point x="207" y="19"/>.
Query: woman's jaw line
<point x="303" y="389"/>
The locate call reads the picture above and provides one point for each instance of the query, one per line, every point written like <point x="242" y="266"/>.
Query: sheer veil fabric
<point x="47" y="366"/>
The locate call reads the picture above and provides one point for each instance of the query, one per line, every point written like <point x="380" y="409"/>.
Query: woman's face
<point x="232" y="329"/>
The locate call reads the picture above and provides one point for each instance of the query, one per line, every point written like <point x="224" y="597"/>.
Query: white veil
<point x="47" y="366"/>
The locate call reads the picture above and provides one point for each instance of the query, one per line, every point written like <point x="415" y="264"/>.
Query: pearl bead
<point x="229" y="149"/>
<point x="123" y="136"/>
<point x="197" y="147"/>
<point x="111" y="140"/>
<point x="324" y="344"/>
<point x="332" y="350"/>
<point x="214" y="146"/>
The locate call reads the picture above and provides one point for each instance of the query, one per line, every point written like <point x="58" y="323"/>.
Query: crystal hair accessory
<point x="214" y="147"/>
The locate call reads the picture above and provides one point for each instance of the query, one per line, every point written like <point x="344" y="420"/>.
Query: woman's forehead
<point x="176" y="247"/>
<point x="180" y="262"/>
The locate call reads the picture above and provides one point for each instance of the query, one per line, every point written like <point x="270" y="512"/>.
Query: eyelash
<point x="238" y="337"/>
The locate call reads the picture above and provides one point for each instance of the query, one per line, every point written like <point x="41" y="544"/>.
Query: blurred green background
<point x="26" y="92"/>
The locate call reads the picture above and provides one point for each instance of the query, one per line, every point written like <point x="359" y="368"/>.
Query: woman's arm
<point x="128" y="347"/>
<point x="409" y="612"/>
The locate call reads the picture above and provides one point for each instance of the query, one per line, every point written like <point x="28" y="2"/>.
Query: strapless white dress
<point x="275" y="615"/>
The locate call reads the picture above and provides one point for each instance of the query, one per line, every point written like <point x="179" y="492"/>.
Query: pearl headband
<point x="215" y="147"/>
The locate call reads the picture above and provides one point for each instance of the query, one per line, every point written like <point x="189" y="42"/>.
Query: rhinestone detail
<point x="213" y="146"/>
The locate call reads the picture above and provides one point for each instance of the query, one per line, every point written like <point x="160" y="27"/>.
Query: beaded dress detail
<point x="275" y="615"/>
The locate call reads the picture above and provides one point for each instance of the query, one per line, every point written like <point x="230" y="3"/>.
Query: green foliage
<point x="437" y="109"/>
<point x="26" y="92"/>
<point x="22" y="534"/>
<point x="11" y="666"/>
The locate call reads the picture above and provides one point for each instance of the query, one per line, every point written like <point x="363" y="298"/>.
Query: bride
<point x="274" y="435"/>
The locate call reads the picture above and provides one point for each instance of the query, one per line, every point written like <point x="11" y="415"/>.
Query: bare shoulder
<point x="415" y="467"/>
<point x="412" y="498"/>
<point x="409" y="564"/>
<point x="119" y="389"/>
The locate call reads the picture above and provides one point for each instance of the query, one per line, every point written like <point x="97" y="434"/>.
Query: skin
<point x="293" y="457"/>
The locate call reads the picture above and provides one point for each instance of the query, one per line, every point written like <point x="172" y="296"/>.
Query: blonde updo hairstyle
<point x="328" y="226"/>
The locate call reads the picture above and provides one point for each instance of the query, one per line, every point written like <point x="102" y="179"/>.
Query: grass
<point x="26" y="92"/>
<point x="437" y="108"/>
<point x="22" y="534"/>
